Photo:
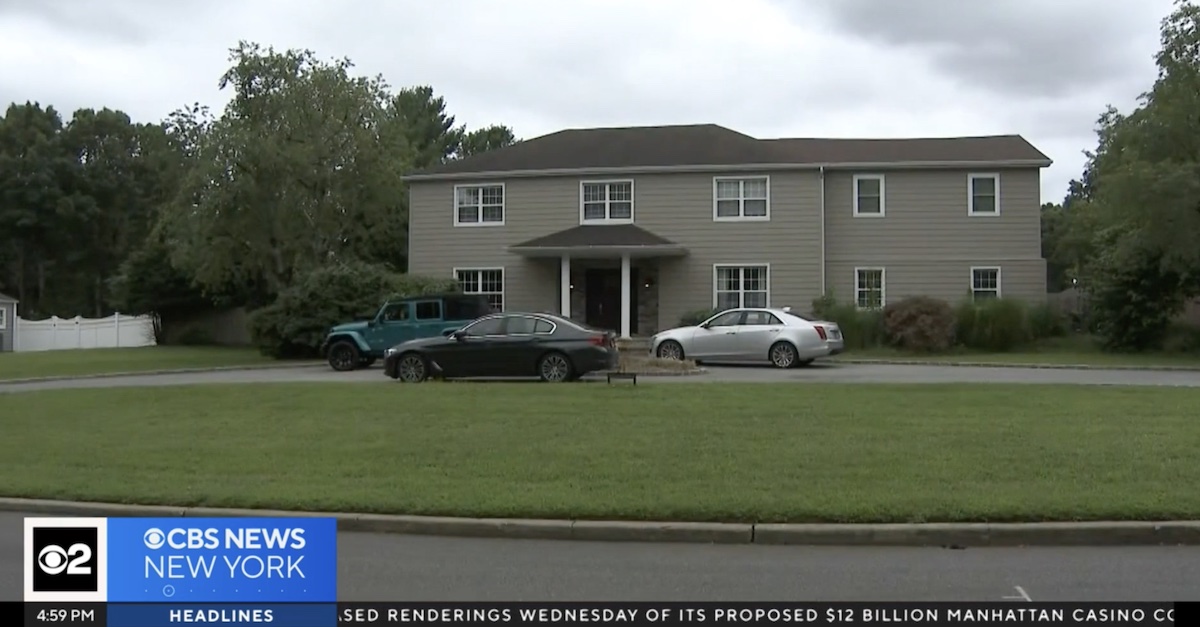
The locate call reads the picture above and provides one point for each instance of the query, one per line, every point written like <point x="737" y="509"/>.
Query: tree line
<point x="99" y="213"/>
<point x="1127" y="234"/>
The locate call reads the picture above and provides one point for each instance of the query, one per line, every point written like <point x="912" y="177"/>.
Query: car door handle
<point x="730" y="332"/>
<point x="774" y="330"/>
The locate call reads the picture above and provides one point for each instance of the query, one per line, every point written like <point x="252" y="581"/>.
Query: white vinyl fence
<point x="115" y="331"/>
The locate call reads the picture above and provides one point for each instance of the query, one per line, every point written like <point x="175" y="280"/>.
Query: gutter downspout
<point x="821" y="174"/>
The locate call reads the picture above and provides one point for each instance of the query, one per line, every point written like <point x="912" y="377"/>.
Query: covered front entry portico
<point x="606" y="274"/>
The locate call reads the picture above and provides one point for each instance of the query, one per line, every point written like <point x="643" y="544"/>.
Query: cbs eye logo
<point x="65" y="559"/>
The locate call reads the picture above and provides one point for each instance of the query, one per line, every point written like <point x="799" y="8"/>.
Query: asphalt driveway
<point x="817" y="373"/>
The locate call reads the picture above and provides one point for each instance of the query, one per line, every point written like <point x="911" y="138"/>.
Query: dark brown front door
<point x="603" y="294"/>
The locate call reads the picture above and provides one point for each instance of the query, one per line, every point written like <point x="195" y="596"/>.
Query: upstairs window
<point x="983" y="194"/>
<point x="478" y="205"/>
<point x="869" y="198"/>
<point x="606" y="201"/>
<point x="741" y="198"/>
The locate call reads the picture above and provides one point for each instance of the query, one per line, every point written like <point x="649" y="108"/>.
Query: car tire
<point x="670" y="349"/>
<point x="343" y="356"/>
<point x="412" y="368"/>
<point x="555" y="367"/>
<point x="783" y="355"/>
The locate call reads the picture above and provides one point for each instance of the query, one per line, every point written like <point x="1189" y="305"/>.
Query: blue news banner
<point x="282" y="572"/>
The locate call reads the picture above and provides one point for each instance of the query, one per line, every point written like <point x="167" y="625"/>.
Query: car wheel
<point x="412" y="368"/>
<point x="783" y="355"/>
<point x="343" y="356"/>
<point x="670" y="349"/>
<point x="555" y="368"/>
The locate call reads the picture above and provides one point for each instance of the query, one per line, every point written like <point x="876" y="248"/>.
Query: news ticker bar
<point x="370" y="614"/>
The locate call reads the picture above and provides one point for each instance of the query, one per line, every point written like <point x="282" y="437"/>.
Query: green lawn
<point x="1061" y="351"/>
<point x="702" y="451"/>
<point x="107" y="360"/>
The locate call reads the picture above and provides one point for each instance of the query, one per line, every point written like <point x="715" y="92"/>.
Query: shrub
<point x="920" y="323"/>
<point x="196" y="336"/>
<point x="860" y="328"/>
<point x="1045" y="321"/>
<point x="693" y="318"/>
<point x="1000" y="324"/>
<point x="297" y="322"/>
<point x="1182" y="338"/>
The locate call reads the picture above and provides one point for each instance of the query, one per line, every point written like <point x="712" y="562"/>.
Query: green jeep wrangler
<point x="358" y="344"/>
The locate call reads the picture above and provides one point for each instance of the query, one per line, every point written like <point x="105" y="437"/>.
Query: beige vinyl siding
<point x="678" y="207"/>
<point x="927" y="241"/>
<point x="949" y="280"/>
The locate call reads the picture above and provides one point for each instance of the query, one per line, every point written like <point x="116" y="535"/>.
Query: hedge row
<point x="924" y="324"/>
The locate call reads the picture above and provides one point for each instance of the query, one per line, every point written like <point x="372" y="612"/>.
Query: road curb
<point x="955" y="535"/>
<point x="983" y="364"/>
<point x="147" y="373"/>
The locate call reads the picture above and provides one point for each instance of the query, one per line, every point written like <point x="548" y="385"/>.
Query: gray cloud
<point x="771" y="68"/>
<point x="1014" y="47"/>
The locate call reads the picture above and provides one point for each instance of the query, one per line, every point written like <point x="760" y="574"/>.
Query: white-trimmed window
<point x="746" y="198"/>
<point x="985" y="283"/>
<point x="479" y="205"/>
<point x="3" y="316"/>
<point x="605" y="202"/>
<point x="741" y="286"/>
<point x="983" y="194"/>
<point x="486" y="281"/>
<point x="869" y="288"/>
<point x="870" y="199"/>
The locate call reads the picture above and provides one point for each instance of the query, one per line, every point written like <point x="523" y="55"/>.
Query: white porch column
<point x="625" y="296"/>
<point x="564" y="287"/>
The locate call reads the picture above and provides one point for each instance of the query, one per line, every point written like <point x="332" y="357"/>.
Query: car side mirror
<point x="459" y="335"/>
<point x="372" y="323"/>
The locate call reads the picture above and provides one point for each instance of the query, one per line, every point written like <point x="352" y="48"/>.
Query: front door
<point x="602" y="293"/>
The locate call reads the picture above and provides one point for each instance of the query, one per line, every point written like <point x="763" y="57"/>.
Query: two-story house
<point x="630" y="228"/>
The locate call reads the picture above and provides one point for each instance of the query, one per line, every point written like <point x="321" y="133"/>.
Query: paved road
<point x="833" y="373"/>
<point x="415" y="568"/>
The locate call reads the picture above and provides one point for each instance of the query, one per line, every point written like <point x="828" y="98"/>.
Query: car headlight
<point x="389" y="352"/>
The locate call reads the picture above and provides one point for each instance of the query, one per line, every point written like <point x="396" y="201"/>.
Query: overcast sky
<point x="771" y="68"/>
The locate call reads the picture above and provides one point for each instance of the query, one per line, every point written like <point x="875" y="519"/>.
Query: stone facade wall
<point x="647" y="295"/>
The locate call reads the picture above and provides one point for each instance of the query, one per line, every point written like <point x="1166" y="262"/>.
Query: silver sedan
<point x="777" y="336"/>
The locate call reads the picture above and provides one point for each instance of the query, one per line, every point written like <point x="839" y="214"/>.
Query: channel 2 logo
<point x="65" y="560"/>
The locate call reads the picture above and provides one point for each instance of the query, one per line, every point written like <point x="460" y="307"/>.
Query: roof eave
<point x="741" y="167"/>
<point x="594" y="252"/>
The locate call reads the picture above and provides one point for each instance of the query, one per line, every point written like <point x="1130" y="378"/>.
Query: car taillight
<point x="821" y="332"/>
<point x="598" y="340"/>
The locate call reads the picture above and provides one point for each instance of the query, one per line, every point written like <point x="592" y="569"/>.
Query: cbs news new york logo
<point x="65" y="560"/>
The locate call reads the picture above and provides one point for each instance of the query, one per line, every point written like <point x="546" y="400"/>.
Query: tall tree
<point x="34" y="200"/>
<point x="302" y="168"/>
<point x="429" y="129"/>
<point x="485" y="139"/>
<point x="1145" y="191"/>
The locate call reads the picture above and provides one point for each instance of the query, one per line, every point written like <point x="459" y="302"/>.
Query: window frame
<point x="858" y="287"/>
<point x="975" y="176"/>
<point x="481" y="222"/>
<point x="745" y="321"/>
<point x="3" y="316"/>
<point x="479" y="278"/>
<point x="416" y="310"/>
<point x="742" y="267"/>
<point x="536" y="320"/>
<point x="999" y="281"/>
<point x="741" y="180"/>
<point x="608" y="219"/>
<point x="882" y="195"/>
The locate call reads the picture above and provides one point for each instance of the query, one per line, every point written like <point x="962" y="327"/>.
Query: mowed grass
<point x="109" y="360"/>
<point x="1074" y="351"/>
<point x="682" y="451"/>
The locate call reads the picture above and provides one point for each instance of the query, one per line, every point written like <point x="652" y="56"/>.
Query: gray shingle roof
<point x="5" y="298"/>
<point x="597" y="235"/>
<point x="713" y="145"/>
